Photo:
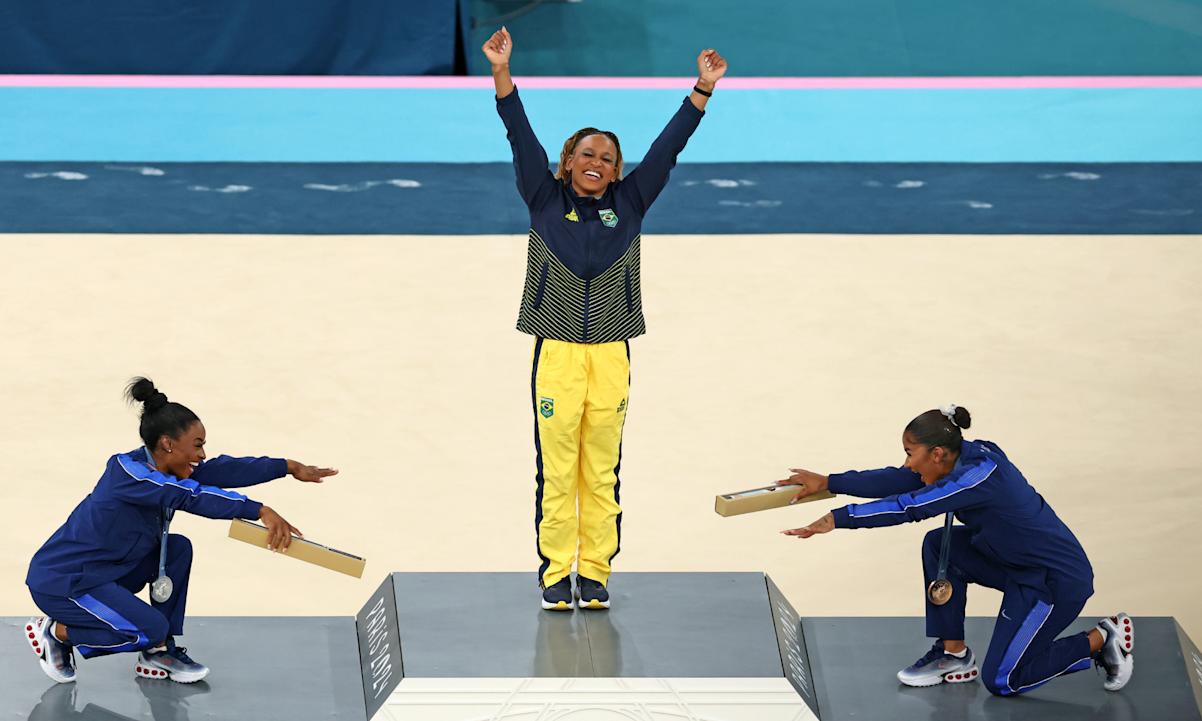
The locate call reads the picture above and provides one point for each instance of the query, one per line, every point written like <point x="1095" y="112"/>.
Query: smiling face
<point x="932" y="463"/>
<point x="593" y="165"/>
<point x="182" y="454"/>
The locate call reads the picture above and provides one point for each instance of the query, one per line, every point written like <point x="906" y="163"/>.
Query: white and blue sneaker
<point x="169" y="662"/>
<point x="938" y="666"/>
<point x="558" y="597"/>
<point x="56" y="658"/>
<point x="1116" y="656"/>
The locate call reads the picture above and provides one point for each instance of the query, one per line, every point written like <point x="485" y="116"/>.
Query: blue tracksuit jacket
<point x="120" y="522"/>
<point x="1010" y="522"/>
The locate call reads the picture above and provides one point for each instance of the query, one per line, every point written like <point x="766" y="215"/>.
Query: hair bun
<point x="962" y="418"/>
<point x="142" y="390"/>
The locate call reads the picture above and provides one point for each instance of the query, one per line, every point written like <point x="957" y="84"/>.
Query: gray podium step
<point x="263" y="669"/>
<point x="662" y="625"/>
<point x="856" y="661"/>
<point x="448" y="632"/>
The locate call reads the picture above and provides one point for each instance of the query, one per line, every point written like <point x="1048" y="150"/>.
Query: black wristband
<point x="697" y="89"/>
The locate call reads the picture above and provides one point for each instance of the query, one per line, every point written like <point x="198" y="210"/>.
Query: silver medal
<point x="160" y="589"/>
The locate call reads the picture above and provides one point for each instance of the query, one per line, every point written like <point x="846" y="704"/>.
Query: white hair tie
<point x="949" y="411"/>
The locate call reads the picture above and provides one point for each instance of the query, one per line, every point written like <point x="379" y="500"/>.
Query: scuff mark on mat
<point x="365" y="185"/>
<point x="225" y="189"/>
<point x="61" y="175"/>
<point x="139" y="169"/>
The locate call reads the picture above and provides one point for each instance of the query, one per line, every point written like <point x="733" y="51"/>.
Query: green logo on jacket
<point x="608" y="217"/>
<point x="546" y="407"/>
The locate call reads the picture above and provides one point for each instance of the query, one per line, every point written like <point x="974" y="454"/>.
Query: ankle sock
<point x="959" y="654"/>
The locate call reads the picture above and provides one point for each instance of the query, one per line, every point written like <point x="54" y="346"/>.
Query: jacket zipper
<point x="588" y="269"/>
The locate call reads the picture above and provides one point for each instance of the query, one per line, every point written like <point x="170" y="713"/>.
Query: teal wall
<point x="848" y="37"/>
<point x="461" y="126"/>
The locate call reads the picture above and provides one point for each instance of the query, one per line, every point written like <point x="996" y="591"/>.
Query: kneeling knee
<point x="992" y="687"/>
<point x="179" y="544"/>
<point x="932" y="541"/>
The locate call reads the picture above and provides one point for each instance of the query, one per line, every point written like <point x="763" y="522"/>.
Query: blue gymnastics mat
<point x="702" y="198"/>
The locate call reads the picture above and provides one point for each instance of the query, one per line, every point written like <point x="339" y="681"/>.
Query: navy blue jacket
<point x="1010" y="522"/>
<point x="582" y="276"/>
<point x="120" y="522"/>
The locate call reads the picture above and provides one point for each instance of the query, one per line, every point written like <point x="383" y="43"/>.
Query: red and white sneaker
<point x="170" y="662"/>
<point x="1117" y="654"/>
<point x="56" y="658"/>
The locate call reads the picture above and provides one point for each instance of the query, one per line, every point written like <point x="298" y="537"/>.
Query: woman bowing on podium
<point x="86" y="576"/>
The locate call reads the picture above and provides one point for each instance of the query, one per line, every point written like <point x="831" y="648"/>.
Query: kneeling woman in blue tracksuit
<point x="116" y="542"/>
<point x="1011" y="540"/>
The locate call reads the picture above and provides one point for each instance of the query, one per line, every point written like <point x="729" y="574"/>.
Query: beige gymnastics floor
<point x="395" y="359"/>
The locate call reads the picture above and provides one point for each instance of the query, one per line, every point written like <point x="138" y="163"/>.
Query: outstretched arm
<point x="651" y="175"/>
<point x="965" y="487"/>
<point x="535" y="181"/>
<point x="865" y="484"/>
<point x="230" y="472"/>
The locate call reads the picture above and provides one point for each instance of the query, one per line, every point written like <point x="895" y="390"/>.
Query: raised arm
<point x="651" y="175"/>
<point x="498" y="49"/>
<point x="535" y="182"/>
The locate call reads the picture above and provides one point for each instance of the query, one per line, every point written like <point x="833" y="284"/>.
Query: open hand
<point x="710" y="66"/>
<point x="498" y="47"/>
<point x="826" y="524"/>
<point x="809" y="481"/>
<point x="309" y="474"/>
<point x="279" y="531"/>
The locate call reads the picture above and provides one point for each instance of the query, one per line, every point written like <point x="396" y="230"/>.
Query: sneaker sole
<point x="558" y="606"/>
<point x="594" y="604"/>
<point x="1127" y="629"/>
<point x="32" y="638"/>
<point x="1126" y="646"/>
<point x="1112" y="684"/>
<point x="970" y="674"/>
<point x="146" y="670"/>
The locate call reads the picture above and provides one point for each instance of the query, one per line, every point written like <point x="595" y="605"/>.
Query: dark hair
<point x="935" y="430"/>
<point x="569" y="146"/>
<point x="160" y="417"/>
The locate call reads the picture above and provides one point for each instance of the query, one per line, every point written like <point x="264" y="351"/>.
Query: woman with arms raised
<point x="582" y="303"/>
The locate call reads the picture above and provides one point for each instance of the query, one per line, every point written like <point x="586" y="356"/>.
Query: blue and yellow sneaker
<point x="591" y="594"/>
<point x="559" y="596"/>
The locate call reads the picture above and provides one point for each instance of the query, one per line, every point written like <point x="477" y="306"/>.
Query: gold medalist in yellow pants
<point x="580" y="393"/>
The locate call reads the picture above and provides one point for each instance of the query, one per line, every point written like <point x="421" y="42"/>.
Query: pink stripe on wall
<point x="586" y="83"/>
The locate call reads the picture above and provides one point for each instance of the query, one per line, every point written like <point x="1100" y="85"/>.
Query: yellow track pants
<point x="580" y="392"/>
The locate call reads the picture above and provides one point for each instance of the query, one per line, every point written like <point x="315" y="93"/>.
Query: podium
<point x="674" y="645"/>
<point x="477" y="646"/>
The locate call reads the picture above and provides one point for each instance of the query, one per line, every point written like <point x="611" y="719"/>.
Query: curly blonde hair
<point x="569" y="147"/>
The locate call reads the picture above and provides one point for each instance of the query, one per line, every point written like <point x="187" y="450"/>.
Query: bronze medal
<point x="940" y="591"/>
